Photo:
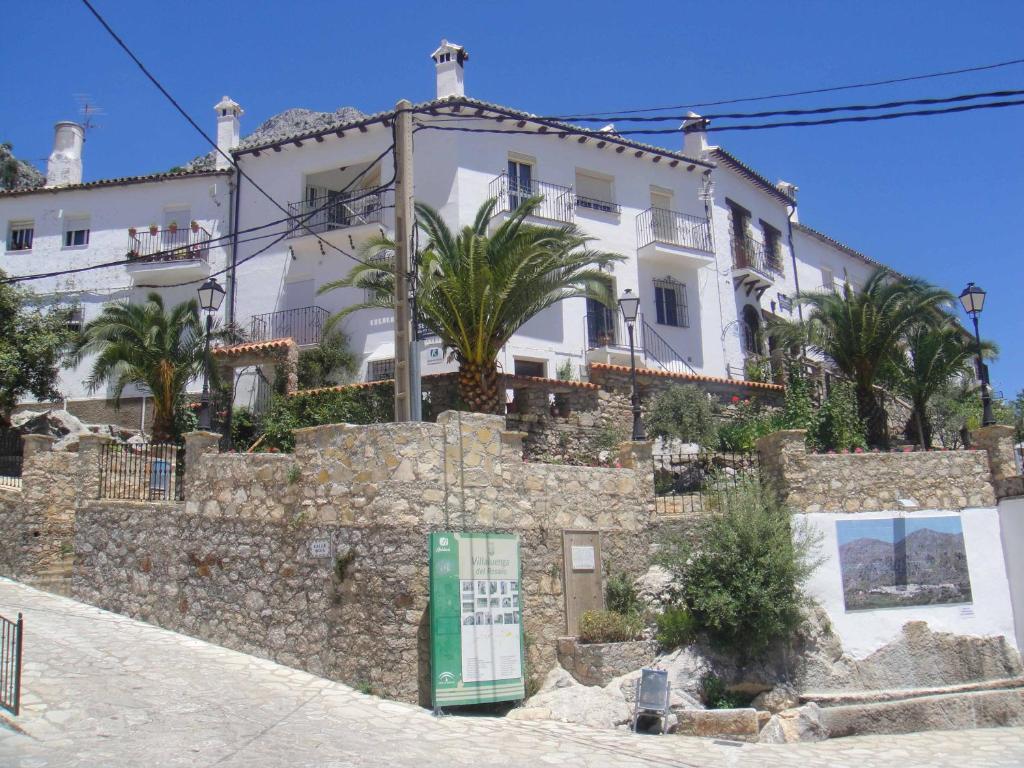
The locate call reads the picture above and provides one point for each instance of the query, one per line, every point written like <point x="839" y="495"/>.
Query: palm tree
<point x="476" y="290"/>
<point x="934" y="354"/>
<point x="144" y="344"/>
<point x="860" y="332"/>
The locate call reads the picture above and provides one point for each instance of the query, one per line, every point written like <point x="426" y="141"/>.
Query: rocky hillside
<point x="287" y="123"/>
<point x="15" y="173"/>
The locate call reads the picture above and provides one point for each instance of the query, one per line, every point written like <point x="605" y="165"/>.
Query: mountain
<point x="287" y="123"/>
<point x="15" y="173"/>
<point x="928" y="558"/>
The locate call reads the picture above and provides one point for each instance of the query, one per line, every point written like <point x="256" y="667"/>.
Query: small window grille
<point x="670" y="303"/>
<point x="381" y="370"/>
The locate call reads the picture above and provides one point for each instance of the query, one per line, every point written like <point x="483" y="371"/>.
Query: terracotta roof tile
<point x="117" y="182"/>
<point x="689" y="377"/>
<point x="252" y="346"/>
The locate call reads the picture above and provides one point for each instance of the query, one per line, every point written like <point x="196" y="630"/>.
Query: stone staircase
<point x="54" y="578"/>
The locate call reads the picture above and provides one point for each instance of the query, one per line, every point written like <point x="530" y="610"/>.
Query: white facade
<point x="672" y="216"/>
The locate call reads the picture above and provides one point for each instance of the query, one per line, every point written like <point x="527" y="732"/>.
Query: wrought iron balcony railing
<point x="558" y="203"/>
<point x="607" y="330"/>
<point x="748" y="253"/>
<point x="337" y="211"/>
<point x="594" y="204"/>
<point x="169" y="244"/>
<point x="657" y="225"/>
<point x="305" y="325"/>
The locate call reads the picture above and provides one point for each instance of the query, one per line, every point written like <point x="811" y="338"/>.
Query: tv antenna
<point x="87" y="111"/>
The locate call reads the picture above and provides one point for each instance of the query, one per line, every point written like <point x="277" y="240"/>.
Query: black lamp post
<point x="973" y="301"/>
<point x="210" y="297"/>
<point x="629" y="305"/>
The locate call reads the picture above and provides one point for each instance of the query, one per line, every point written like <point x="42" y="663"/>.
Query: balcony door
<point x="600" y="325"/>
<point x="176" y="228"/>
<point x="662" y="221"/>
<point x="299" y="296"/>
<point x="520" y="182"/>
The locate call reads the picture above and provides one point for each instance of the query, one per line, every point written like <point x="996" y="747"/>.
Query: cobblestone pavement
<point x="103" y="690"/>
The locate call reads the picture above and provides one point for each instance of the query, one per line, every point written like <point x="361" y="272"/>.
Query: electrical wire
<point x="809" y="92"/>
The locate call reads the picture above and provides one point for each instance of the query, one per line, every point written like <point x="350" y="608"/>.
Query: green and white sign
<point x="476" y="630"/>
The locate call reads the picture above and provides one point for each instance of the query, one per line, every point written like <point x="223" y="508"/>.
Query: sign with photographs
<point x="476" y="632"/>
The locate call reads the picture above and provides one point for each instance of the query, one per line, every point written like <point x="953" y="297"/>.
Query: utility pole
<point x="404" y="224"/>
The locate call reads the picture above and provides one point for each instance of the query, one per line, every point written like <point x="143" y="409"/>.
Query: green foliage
<point x="353" y="405"/>
<point x="609" y="627"/>
<point x="244" y="429"/>
<point x="329" y="363"/>
<point x="741" y="577"/>
<point x="683" y="412"/>
<point x="31" y="345"/>
<point x="715" y="695"/>
<point x="676" y="627"/>
<point x="798" y="411"/>
<point x="750" y="423"/>
<point x="565" y="370"/>
<point x="620" y="595"/>
<point x="478" y="286"/>
<point x="838" y="426"/>
<point x="294" y="474"/>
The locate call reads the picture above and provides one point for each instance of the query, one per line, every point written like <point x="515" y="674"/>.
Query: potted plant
<point x="132" y="231"/>
<point x="173" y="227"/>
<point x="153" y="229"/>
<point x="195" y="226"/>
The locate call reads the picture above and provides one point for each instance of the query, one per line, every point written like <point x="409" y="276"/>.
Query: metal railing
<point x="658" y="225"/>
<point x="142" y="471"/>
<point x="338" y="211"/>
<point x="179" y="244"/>
<point x="748" y="253"/>
<point x="10" y="458"/>
<point x="11" y="636"/>
<point x="305" y="325"/>
<point x="687" y="483"/>
<point x="558" y="203"/>
<point x="597" y="205"/>
<point x="608" y="331"/>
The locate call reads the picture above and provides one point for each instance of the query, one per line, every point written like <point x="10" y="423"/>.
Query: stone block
<point x="738" y="724"/>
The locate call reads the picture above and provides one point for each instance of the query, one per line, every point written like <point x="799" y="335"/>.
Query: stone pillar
<point x="780" y="454"/>
<point x="33" y="444"/>
<point x="997" y="441"/>
<point x="637" y="454"/>
<point x="512" y="444"/>
<point x="196" y="445"/>
<point x="90" y="450"/>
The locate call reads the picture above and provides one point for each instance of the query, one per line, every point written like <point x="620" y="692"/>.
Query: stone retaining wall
<point x="233" y="564"/>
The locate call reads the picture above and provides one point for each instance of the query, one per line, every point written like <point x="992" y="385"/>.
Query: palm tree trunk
<point x="163" y="422"/>
<point x="479" y="387"/>
<point x="873" y="414"/>
<point x="919" y="421"/>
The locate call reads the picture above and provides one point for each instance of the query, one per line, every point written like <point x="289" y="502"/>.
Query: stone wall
<point x="127" y="414"/>
<point x="233" y="563"/>
<point x="863" y="482"/>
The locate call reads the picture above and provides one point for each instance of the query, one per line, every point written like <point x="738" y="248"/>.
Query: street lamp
<point x="210" y="297"/>
<point x="629" y="305"/>
<point x="973" y="301"/>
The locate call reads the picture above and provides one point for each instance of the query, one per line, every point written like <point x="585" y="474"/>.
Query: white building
<point x="711" y="246"/>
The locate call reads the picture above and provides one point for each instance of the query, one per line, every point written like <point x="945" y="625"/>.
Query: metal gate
<point x="581" y="553"/>
<point x="10" y="664"/>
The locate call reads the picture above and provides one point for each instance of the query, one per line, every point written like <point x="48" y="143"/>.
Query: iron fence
<point x="748" y="253"/>
<point x="305" y="325"/>
<point x="142" y="472"/>
<point x="178" y="244"/>
<point x="658" y="225"/>
<point x="10" y="458"/>
<point x="688" y="483"/>
<point x="11" y="634"/>
<point x="558" y="203"/>
<point x="336" y="210"/>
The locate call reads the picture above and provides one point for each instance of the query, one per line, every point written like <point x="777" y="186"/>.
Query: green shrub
<point x="609" y="627"/>
<point x="741" y="577"/>
<point x="620" y="595"/>
<point x="798" y="411"/>
<point x="330" y="362"/>
<point x="716" y="696"/>
<point x="839" y="427"/>
<point x="683" y="412"/>
<point x="244" y="430"/>
<point x="676" y="628"/>
<point x="751" y="422"/>
<point x="353" y="405"/>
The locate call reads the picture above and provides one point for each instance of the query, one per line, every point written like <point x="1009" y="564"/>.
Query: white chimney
<point x="65" y="163"/>
<point x="695" y="137"/>
<point x="789" y="189"/>
<point x="450" y="60"/>
<point x="228" y="134"/>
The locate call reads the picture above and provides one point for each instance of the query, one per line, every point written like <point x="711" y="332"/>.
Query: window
<point x="530" y="368"/>
<point x="772" y="245"/>
<point x="601" y="327"/>
<point x="381" y="370"/>
<point x="670" y="303"/>
<point x="828" y="280"/>
<point x="75" y="318"/>
<point x="19" y="235"/>
<point x="595" y="191"/>
<point x="740" y="220"/>
<point x="76" y="231"/>
<point x="520" y="182"/>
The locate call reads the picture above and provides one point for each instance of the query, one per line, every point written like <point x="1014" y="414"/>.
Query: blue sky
<point x="885" y="529"/>
<point x="941" y="197"/>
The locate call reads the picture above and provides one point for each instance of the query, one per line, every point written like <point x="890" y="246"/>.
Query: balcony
<point x="161" y="256"/>
<point x="679" y="237"/>
<point x="558" y="203"/>
<point x="344" y="220"/>
<point x="753" y="265"/>
<point x="608" y="342"/>
<point x="304" y="325"/>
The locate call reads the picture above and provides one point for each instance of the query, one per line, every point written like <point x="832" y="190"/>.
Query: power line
<point x="807" y="111"/>
<point x="789" y="94"/>
<point x="195" y="125"/>
<point x="610" y="135"/>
